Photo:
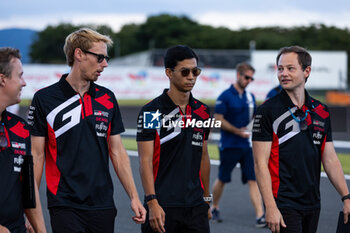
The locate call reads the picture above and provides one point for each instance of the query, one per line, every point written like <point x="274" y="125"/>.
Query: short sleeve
<point x="221" y="104"/>
<point x="117" y="126"/>
<point x="262" y="125"/>
<point x="329" y="129"/>
<point x="36" y="118"/>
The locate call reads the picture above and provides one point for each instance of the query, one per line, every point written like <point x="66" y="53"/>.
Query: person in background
<point x="274" y="91"/>
<point x="235" y="108"/>
<point x="14" y="148"/>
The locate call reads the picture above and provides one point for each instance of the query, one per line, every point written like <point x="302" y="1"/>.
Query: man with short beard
<point x="235" y="108"/>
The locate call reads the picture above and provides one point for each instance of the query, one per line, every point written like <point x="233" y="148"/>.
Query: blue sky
<point x="234" y="14"/>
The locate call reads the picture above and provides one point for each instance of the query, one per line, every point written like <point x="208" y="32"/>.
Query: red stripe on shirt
<point x="82" y="108"/>
<point x="274" y="165"/>
<point x="53" y="175"/>
<point x="323" y="145"/>
<point x="88" y="105"/>
<point x="156" y="156"/>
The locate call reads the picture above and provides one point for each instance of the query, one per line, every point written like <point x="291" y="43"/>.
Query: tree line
<point x="165" y="30"/>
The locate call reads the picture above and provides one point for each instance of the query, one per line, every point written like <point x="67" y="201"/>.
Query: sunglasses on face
<point x="3" y="139"/>
<point x="186" y="71"/>
<point x="100" y="57"/>
<point x="247" y="77"/>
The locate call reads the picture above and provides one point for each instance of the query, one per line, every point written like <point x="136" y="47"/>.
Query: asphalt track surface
<point x="236" y="209"/>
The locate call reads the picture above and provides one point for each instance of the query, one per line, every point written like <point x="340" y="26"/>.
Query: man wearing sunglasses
<point x="14" y="149"/>
<point x="76" y="126"/>
<point x="174" y="160"/>
<point x="235" y="108"/>
<point x="292" y="136"/>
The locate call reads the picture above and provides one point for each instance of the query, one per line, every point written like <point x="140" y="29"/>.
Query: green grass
<point x="345" y="162"/>
<point x="140" y="102"/>
<point x="25" y="102"/>
<point x="130" y="144"/>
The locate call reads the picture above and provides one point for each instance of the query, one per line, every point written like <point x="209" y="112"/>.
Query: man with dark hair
<point x="172" y="145"/>
<point x="76" y="126"/>
<point x="235" y="108"/>
<point x="292" y="136"/>
<point x="15" y="148"/>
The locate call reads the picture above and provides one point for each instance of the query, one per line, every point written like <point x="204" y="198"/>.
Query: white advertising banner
<point x="130" y="82"/>
<point x="329" y="71"/>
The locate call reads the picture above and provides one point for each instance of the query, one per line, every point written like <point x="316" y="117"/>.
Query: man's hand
<point x="156" y="216"/>
<point x="29" y="227"/>
<point x="346" y="210"/>
<point x="209" y="214"/>
<point x="4" y="229"/>
<point x="243" y="133"/>
<point x="139" y="210"/>
<point x="274" y="219"/>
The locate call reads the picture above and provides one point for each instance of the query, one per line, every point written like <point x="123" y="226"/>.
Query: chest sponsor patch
<point x="318" y="123"/>
<point x="17" y="162"/>
<point x="197" y="139"/>
<point x="101" y="113"/>
<point x="101" y="129"/>
<point x="18" y="145"/>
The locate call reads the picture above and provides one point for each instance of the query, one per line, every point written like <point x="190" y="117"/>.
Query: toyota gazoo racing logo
<point x="100" y="113"/>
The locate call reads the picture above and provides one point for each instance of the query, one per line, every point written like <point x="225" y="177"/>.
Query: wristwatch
<point x="345" y="197"/>
<point x="209" y="198"/>
<point x="150" y="197"/>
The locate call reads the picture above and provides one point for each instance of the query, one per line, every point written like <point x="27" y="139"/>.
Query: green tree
<point x="162" y="31"/>
<point x="48" y="46"/>
<point x="126" y="41"/>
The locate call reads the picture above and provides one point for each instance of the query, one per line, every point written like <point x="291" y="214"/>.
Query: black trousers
<point x="70" y="220"/>
<point x="183" y="220"/>
<point x="300" y="221"/>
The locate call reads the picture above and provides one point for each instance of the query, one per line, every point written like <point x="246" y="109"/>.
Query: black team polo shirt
<point x="177" y="150"/>
<point x="77" y="130"/>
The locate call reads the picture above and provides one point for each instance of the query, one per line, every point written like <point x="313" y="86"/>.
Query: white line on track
<point x="217" y="162"/>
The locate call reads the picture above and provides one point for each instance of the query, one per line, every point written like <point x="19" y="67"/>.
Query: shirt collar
<point x="4" y="117"/>
<point x="288" y="102"/>
<point x="168" y="101"/>
<point x="234" y="90"/>
<point x="68" y="90"/>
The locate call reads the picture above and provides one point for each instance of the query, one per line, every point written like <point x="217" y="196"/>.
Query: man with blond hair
<point x="14" y="150"/>
<point x="76" y="126"/>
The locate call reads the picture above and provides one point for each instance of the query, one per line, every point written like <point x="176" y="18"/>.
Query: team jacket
<point x="177" y="149"/>
<point x="295" y="159"/>
<point x="76" y="131"/>
<point x="11" y="160"/>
